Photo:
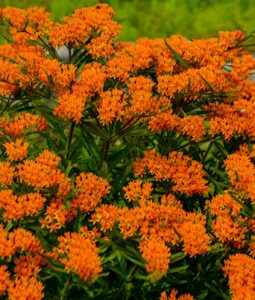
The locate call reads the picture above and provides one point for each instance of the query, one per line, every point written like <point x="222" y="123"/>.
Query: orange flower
<point x="4" y="279"/>
<point x="92" y="79"/>
<point x="93" y="189"/>
<point x="26" y="24"/>
<point x="111" y="106"/>
<point x="194" y="236"/>
<point x="51" y="72"/>
<point x="149" y="219"/>
<point x="157" y="256"/>
<point x="81" y="255"/>
<point x="87" y="23"/>
<point x="17" y="125"/>
<point x="120" y="65"/>
<point x="41" y="173"/>
<point x="140" y="83"/>
<point x="252" y="246"/>
<point x="138" y="190"/>
<point x="55" y="216"/>
<point x="227" y="231"/>
<point x="242" y="173"/>
<point x="7" y="172"/>
<point x="16" y="150"/>
<point x="233" y="119"/>
<point x="70" y="106"/>
<point x="23" y="240"/>
<point x="48" y="158"/>
<point x="19" y="207"/>
<point x="173" y="296"/>
<point x="192" y="126"/>
<point x="24" y="287"/>
<point x="142" y="100"/>
<point x="9" y="76"/>
<point x="240" y="268"/>
<point x="6" y="246"/>
<point x="192" y="82"/>
<point x="186" y="174"/>
<point x="106" y="216"/>
<point x="164" y="120"/>
<point x="27" y="265"/>
<point x="224" y="205"/>
<point x="17" y="17"/>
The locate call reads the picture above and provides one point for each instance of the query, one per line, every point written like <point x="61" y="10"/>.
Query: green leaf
<point x="109" y="258"/>
<point x="176" y="56"/>
<point x="236" y="199"/>
<point x="134" y="260"/>
<point x="178" y="269"/>
<point x="122" y="263"/>
<point x="177" y="256"/>
<point x="207" y="83"/>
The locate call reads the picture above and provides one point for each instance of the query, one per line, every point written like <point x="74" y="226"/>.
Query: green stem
<point x="207" y="151"/>
<point x="66" y="288"/>
<point x="126" y="127"/>
<point x="106" y="150"/>
<point x="70" y="136"/>
<point x="106" y="153"/>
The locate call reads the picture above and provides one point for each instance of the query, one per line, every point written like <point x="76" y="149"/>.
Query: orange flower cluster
<point x="32" y="68"/>
<point x="50" y="71"/>
<point x="138" y="190"/>
<point x="9" y="75"/>
<point x="233" y="119"/>
<point x="192" y="82"/>
<point x="19" y="207"/>
<point x="19" y="240"/>
<point x="28" y="24"/>
<point x="92" y="189"/>
<point x="24" y="287"/>
<point x="16" y="150"/>
<point x="93" y="23"/>
<point x="7" y="172"/>
<point x="71" y="104"/>
<point x="42" y="172"/>
<point x="80" y="255"/>
<point x="194" y="235"/>
<point x="105" y="216"/>
<point x="149" y="219"/>
<point x="185" y="173"/>
<point x="240" y="270"/>
<point x="173" y="296"/>
<point x="191" y="126"/>
<point x="56" y="215"/>
<point x="142" y="100"/>
<point x="27" y="265"/>
<point x="157" y="256"/>
<point x="167" y="221"/>
<point x="111" y="106"/>
<point x="175" y="90"/>
<point x="23" y="123"/>
<point x="241" y="172"/>
<point x="4" y="279"/>
<point x="228" y="225"/>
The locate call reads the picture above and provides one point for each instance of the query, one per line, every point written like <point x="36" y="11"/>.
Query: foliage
<point x="161" y="18"/>
<point x="126" y="169"/>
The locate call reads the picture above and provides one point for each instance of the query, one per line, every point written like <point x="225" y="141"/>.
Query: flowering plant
<point x="127" y="170"/>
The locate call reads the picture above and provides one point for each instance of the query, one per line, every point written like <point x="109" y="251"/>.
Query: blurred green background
<point x="160" y="18"/>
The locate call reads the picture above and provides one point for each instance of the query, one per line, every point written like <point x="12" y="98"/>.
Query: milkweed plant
<point x="126" y="169"/>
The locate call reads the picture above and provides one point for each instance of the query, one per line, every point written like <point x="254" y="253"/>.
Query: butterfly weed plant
<point x="126" y="169"/>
